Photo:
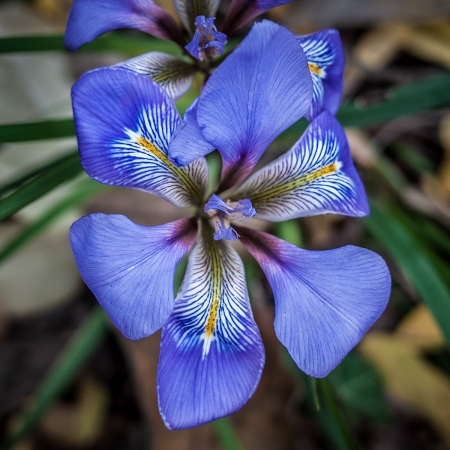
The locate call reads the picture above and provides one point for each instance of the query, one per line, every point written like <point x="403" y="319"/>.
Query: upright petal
<point x="242" y="11"/>
<point x="316" y="176"/>
<point x="188" y="143"/>
<point x="124" y="122"/>
<point x="261" y="89"/>
<point x="326" y="59"/>
<point x="130" y="268"/>
<point x="188" y="10"/>
<point x="207" y="41"/>
<point x="89" y="19"/>
<point x="325" y="301"/>
<point x="173" y="74"/>
<point x="211" y="355"/>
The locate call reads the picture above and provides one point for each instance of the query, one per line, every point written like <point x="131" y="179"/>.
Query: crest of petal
<point x="171" y="73"/>
<point x="207" y="41"/>
<point x="211" y="355"/>
<point x="316" y="176"/>
<point x="130" y="268"/>
<point x="325" y="301"/>
<point x="261" y="89"/>
<point x="188" y="143"/>
<point x="326" y="60"/>
<point x="124" y="122"/>
<point x="89" y="19"/>
<point x="189" y="10"/>
<point x="242" y="11"/>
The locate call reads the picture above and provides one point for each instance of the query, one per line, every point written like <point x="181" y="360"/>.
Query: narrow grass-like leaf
<point x="64" y="171"/>
<point x="408" y="254"/>
<point x="131" y="45"/>
<point x="226" y="434"/>
<point x="67" y="366"/>
<point x="36" y="131"/>
<point x="329" y="415"/>
<point x="81" y="193"/>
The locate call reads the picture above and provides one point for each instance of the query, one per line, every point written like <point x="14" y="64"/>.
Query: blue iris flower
<point x="130" y="135"/>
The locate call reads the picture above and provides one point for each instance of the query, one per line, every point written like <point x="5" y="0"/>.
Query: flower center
<point x="224" y="212"/>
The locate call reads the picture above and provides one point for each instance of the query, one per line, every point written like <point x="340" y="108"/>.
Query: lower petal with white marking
<point x="211" y="355"/>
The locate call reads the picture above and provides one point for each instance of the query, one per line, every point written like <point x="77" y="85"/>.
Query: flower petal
<point x="89" y="19"/>
<point x="171" y="73"/>
<point x="325" y="301"/>
<point x="326" y="60"/>
<point x="242" y="11"/>
<point x="211" y="355"/>
<point x="124" y="122"/>
<point x="130" y="268"/>
<point x="261" y="89"/>
<point x="316" y="176"/>
<point x="188" y="143"/>
<point x="188" y="10"/>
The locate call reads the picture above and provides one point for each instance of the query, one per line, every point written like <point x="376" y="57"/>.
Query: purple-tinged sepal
<point x="173" y="74"/>
<point x="188" y="11"/>
<point x="207" y="41"/>
<point x="261" y="89"/>
<point x="242" y="11"/>
<point x="325" y="301"/>
<point x="326" y="60"/>
<point x="130" y="268"/>
<point x="89" y="19"/>
<point x="211" y="355"/>
<point x="124" y="122"/>
<point x="316" y="176"/>
<point x="188" y="143"/>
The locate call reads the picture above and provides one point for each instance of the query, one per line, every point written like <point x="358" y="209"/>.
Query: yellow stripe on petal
<point x="276" y="191"/>
<point x="314" y="68"/>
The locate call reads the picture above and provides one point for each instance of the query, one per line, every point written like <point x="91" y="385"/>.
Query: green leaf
<point x="36" y="131"/>
<point x="401" y="101"/>
<point x="226" y="434"/>
<point x="86" y="189"/>
<point x="64" y="171"/>
<point x="66" y="367"/>
<point x="407" y="252"/>
<point x="359" y="388"/>
<point x="130" y="44"/>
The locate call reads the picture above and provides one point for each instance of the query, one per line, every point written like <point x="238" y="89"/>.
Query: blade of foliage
<point x="226" y="434"/>
<point x="405" y="249"/>
<point x="329" y="415"/>
<point x="67" y="366"/>
<point x="359" y="388"/>
<point x="35" y="131"/>
<point x="405" y="100"/>
<point x="19" y="181"/>
<point x="131" y="45"/>
<point x="84" y="191"/>
<point x="64" y="171"/>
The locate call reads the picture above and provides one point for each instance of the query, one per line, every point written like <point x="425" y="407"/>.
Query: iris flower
<point x="130" y="135"/>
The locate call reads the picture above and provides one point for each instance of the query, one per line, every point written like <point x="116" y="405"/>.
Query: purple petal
<point x="89" y="19"/>
<point x="130" y="268"/>
<point x="124" y="122"/>
<point x="188" y="143"/>
<point x="242" y="11"/>
<point x="207" y="41"/>
<point x="211" y="355"/>
<point x="326" y="60"/>
<point x="261" y="89"/>
<point x="325" y="301"/>
<point x="173" y="74"/>
<point x="316" y="176"/>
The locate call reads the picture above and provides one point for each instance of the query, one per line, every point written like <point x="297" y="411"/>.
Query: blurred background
<point x="69" y="380"/>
